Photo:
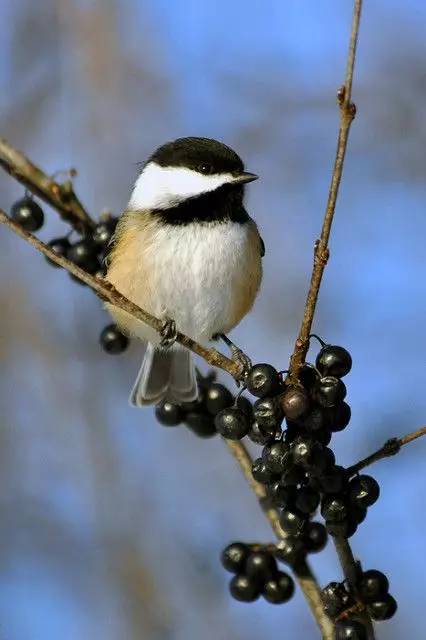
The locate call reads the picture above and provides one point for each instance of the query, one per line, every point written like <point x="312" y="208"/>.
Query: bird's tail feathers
<point x="165" y="374"/>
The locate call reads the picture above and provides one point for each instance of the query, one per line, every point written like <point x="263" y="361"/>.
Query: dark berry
<point x="262" y="473"/>
<point x="268" y="413"/>
<point x="364" y="491"/>
<point x="315" y="420"/>
<point x="292" y="521"/>
<point x="27" y="213"/>
<point x="217" y="398"/>
<point x="295" y="403"/>
<point x="245" y="405"/>
<point x="315" y="537"/>
<point x="168" y="413"/>
<point x="60" y="246"/>
<point x="103" y="232"/>
<point x="234" y="557"/>
<point x="338" y="417"/>
<point x="112" y="340"/>
<point x="308" y="376"/>
<point x="200" y="423"/>
<point x="259" y="435"/>
<point x="384" y="608"/>
<point x="323" y="437"/>
<point x="334" y="480"/>
<point x="275" y="456"/>
<point x="343" y="529"/>
<point x="322" y="459"/>
<point x="293" y="476"/>
<point x="84" y="254"/>
<point x="303" y="451"/>
<point x="279" y="495"/>
<point x="335" y="598"/>
<point x="263" y="380"/>
<point x="334" y="361"/>
<point x="291" y="550"/>
<point x="358" y="514"/>
<point x="350" y="630"/>
<point x="334" y="508"/>
<point x="261" y="566"/>
<point x="244" y="589"/>
<point x="329" y="391"/>
<point x="279" y="589"/>
<point x="232" y="423"/>
<point x="372" y="585"/>
<point x="306" y="500"/>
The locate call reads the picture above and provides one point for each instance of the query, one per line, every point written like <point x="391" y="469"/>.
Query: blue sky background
<point x="111" y="526"/>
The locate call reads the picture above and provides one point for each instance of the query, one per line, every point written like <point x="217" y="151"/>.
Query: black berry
<point x="261" y="472"/>
<point x="334" y="508"/>
<point x="372" y="585"/>
<point x="315" y="537"/>
<point x="232" y="423"/>
<point x="60" y="246"/>
<point x="244" y="589"/>
<point x="275" y="456"/>
<point x="234" y="557"/>
<point x="263" y="380"/>
<point x="338" y="417"/>
<point x="295" y="403"/>
<point x="217" y="398"/>
<point x="335" y="598"/>
<point x="291" y="550"/>
<point x="383" y="609"/>
<point x="292" y="521"/>
<point x="268" y="413"/>
<point x="261" y="566"/>
<point x="306" y="500"/>
<point x="259" y="435"/>
<point x="112" y="340"/>
<point x="278" y="589"/>
<point x="279" y="495"/>
<point x="334" y="361"/>
<point x="28" y="214"/>
<point x="308" y="375"/>
<point x="200" y="423"/>
<point x="363" y="491"/>
<point x="168" y="413"/>
<point x="342" y="529"/>
<point x="84" y="254"/>
<point x="103" y="232"/>
<point x="350" y="630"/>
<point x="329" y="391"/>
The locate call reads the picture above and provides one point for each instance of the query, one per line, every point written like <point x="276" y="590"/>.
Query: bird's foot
<point x="168" y="332"/>
<point x="239" y="357"/>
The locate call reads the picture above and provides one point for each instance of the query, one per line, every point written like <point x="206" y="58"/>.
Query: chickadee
<point x="186" y="251"/>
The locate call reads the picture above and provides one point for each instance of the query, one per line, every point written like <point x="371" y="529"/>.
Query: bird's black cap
<point x="200" y="154"/>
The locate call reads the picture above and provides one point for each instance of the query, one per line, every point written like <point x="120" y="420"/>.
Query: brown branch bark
<point x="303" y="573"/>
<point x="60" y="196"/>
<point x="321" y="252"/>
<point x="107" y="292"/>
<point x="390" y="448"/>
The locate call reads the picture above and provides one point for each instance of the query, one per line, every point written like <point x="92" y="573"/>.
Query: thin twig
<point x="60" y="196"/>
<point x="303" y="572"/>
<point x="390" y="448"/>
<point x="107" y="292"/>
<point x="321" y="252"/>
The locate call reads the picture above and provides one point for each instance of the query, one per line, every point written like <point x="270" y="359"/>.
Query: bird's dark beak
<point x="244" y="177"/>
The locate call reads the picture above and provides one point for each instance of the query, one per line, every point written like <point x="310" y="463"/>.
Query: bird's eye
<point x="205" y="168"/>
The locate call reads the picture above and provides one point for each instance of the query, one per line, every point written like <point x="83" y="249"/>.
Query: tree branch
<point x="390" y="448"/>
<point x="60" y="196"/>
<point x="321" y="252"/>
<point x="303" y="572"/>
<point x="107" y="292"/>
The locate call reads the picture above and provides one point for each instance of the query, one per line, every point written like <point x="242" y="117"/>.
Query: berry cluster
<point x="371" y="592"/>
<point x="88" y="253"/>
<point x="256" y="574"/>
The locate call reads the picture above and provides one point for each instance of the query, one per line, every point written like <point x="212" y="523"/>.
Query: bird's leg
<point x="238" y="355"/>
<point x="168" y="332"/>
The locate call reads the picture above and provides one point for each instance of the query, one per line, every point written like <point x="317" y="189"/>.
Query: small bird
<point x="186" y="251"/>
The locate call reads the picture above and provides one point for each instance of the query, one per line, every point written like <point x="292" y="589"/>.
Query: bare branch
<point x="390" y="448"/>
<point x="107" y="292"/>
<point x="60" y="196"/>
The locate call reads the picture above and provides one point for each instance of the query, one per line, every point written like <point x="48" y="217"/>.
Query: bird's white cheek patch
<point x="162" y="187"/>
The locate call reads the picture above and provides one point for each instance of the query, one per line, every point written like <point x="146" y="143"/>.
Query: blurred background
<point x="110" y="525"/>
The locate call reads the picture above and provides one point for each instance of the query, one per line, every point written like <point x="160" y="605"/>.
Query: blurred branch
<point x="390" y="448"/>
<point x="303" y="572"/>
<point x="109" y="293"/>
<point x="321" y="251"/>
<point x="60" y="196"/>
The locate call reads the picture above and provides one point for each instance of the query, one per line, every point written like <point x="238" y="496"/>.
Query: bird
<point x="185" y="250"/>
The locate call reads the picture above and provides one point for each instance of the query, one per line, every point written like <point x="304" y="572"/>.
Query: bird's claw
<point x="168" y="332"/>
<point x="239" y="357"/>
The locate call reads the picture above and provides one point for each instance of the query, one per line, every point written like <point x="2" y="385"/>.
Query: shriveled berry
<point x="350" y="630"/>
<point x="112" y="340"/>
<point x="217" y="398"/>
<point x="337" y="418"/>
<point x="261" y="566"/>
<point x="364" y="491"/>
<point x="291" y="550"/>
<point x="263" y="380"/>
<point x="384" y="608"/>
<point x="334" y="508"/>
<point x="200" y="423"/>
<point x="232" y="423"/>
<point x="275" y="456"/>
<point x="268" y="413"/>
<point x="244" y="589"/>
<point x="278" y="589"/>
<point x="234" y="557"/>
<point x="295" y="403"/>
<point x="372" y="585"/>
<point x="27" y="213"/>
<point x="306" y="500"/>
<point x="168" y="413"/>
<point x="60" y="246"/>
<point x="334" y="361"/>
<point x="329" y="391"/>
<point x="335" y="598"/>
<point x="315" y="537"/>
<point x="292" y="521"/>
